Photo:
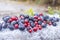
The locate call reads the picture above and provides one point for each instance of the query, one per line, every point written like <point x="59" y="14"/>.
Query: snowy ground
<point x="49" y="33"/>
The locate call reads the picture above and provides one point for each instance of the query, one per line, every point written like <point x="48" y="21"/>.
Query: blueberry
<point x="32" y="24"/>
<point x="22" y="21"/>
<point x="0" y="26"/>
<point x="28" y="28"/>
<point x="46" y="18"/>
<point x="14" y="22"/>
<point x="54" y="24"/>
<point x="11" y="27"/>
<point x="31" y="19"/>
<point x="53" y="21"/>
<point x="57" y="19"/>
<point x="36" y="14"/>
<point x="4" y="25"/>
<point x="50" y="19"/>
<point x="39" y="22"/>
<point x="35" y="20"/>
<point x="6" y="18"/>
<point x="44" y="25"/>
<point x="26" y="16"/>
<point x="21" y="27"/>
<point x="42" y="17"/>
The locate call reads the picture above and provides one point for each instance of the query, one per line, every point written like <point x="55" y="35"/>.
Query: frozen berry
<point x="36" y="17"/>
<point x="11" y="27"/>
<point x="32" y="24"/>
<point x="14" y="18"/>
<point x="26" y="20"/>
<point x="14" y="22"/>
<point x="0" y="26"/>
<point x="26" y="25"/>
<point x="30" y="30"/>
<point x="54" y="24"/>
<point x="36" y="23"/>
<point x="16" y="26"/>
<point x="6" y="18"/>
<point x="39" y="22"/>
<point x="50" y="23"/>
<point x="26" y="16"/>
<point x="44" y="25"/>
<point x="10" y="20"/>
<point x="41" y="14"/>
<point x="46" y="18"/>
<point x="21" y="27"/>
<point x="4" y="25"/>
<point x="36" y="14"/>
<point x="35" y="29"/>
<point x="40" y="27"/>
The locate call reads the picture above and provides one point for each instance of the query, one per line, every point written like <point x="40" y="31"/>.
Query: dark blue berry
<point x="4" y="25"/>
<point x="42" y="17"/>
<point x="46" y="18"/>
<point x="50" y="19"/>
<point x="26" y="16"/>
<point x="39" y="22"/>
<point x="11" y="27"/>
<point x="14" y="22"/>
<point x="57" y="19"/>
<point x="22" y="21"/>
<point x="21" y="27"/>
<point x="31" y="19"/>
<point x="0" y="26"/>
<point x="44" y="25"/>
<point x="32" y="24"/>
<point x="6" y="18"/>
<point x="36" y="14"/>
<point x="54" y="24"/>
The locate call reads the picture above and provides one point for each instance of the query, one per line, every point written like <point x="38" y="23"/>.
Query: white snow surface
<point x="48" y="33"/>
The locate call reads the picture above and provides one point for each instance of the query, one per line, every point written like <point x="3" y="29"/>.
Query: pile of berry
<point x="30" y="23"/>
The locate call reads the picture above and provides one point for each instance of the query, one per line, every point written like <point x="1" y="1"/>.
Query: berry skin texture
<point x="13" y="22"/>
<point x="30" y="31"/>
<point x="41" y="14"/>
<point x="36" y="23"/>
<point x="4" y="25"/>
<point x="54" y="24"/>
<point x="50" y="23"/>
<point x="39" y="22"/>
<point x="40" y="27"/>
<point x="16" y="26"/>
<point x="35" y="29"/>
<point x="22" y="28"/>
<point x="44" y="25"/>
<point x="32" y="24"/>
<point x="26" y="25"/>
<point x="11" y="27"/>
<point x="0" y="26"/>
<point x="6" y="18"/>
<point x="36" y="17"/>
<point x="26" y="21"/>
<point x="10" y="20"/>
<point x="14" y="18"/>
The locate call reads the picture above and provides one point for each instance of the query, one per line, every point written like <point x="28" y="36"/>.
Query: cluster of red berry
<point x="30" y="23"/>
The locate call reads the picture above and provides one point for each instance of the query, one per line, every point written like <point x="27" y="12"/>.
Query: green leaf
<point x="30" y="12"/>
